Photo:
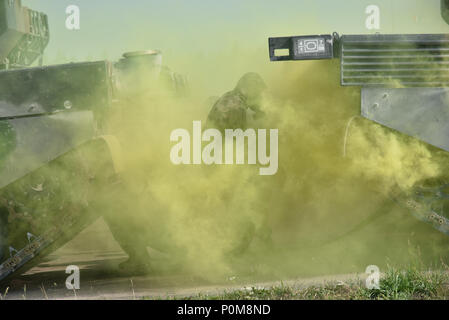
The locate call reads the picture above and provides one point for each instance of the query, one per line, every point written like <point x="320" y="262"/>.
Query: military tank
<point x="404" y="87"/>
<point x="58" y="158"/>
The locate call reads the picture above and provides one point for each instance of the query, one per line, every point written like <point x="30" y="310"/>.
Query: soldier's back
<point x="229" y="112"/>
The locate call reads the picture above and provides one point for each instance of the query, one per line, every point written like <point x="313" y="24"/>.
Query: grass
<point x="395" y="284"/>
<point x="411" y="284"/>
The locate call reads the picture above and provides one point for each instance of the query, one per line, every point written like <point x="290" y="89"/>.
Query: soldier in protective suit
<point x="240" y="109"/>
<point x="235" y="108"/>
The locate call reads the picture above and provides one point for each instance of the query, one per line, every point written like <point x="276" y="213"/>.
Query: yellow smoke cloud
<point x="199" y="213"/>
<point x="203" y="211"/>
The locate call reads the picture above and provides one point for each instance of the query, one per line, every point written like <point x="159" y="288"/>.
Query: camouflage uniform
<point x="235" y="108"/>
<point x="229" y="112"/>
<point x="238" y="109"/>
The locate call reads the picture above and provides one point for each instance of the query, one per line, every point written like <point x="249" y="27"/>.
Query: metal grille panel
<point x="395" y="60"/>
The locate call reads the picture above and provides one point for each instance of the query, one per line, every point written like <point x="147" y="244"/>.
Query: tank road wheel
<point x="51" y="205"/>
<point x="428" y="202"/>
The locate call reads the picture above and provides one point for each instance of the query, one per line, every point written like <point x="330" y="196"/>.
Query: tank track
<point x="50" y="206"/>
<point x="37" y="244"/>
<point x="427" y="204"/>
